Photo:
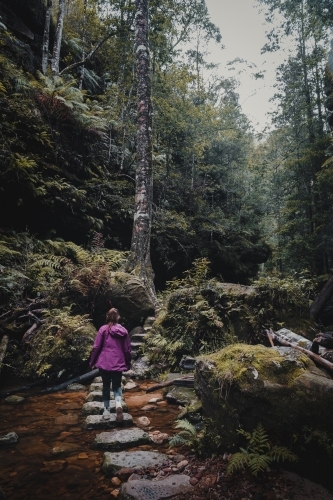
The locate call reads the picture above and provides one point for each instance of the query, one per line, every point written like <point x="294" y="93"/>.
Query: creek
<point x="53" y="457"/>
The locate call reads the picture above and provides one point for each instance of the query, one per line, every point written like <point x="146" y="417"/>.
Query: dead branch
<point x="188" y="380"/>
<point x="317" y="359"/>
<point x="88" y="56"/>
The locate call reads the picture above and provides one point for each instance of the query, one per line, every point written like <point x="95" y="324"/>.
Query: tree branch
<point x="88" y="56"/>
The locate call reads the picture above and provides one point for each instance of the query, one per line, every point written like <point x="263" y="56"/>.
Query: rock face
<point x="156" y="490"/>
<point x="280" y="387"/>
<point x="128" y="294"/>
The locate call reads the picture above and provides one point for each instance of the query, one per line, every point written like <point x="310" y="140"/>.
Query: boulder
<point x="130" y="297"/>
<point x="183" y="396"/>
<point x="280" y="387"/>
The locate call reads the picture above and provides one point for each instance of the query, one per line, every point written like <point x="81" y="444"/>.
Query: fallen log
<point x="177" y="381"/>
<point x="81" y="378"/>
<point x="3" y="349"/>
<point x="317" y="359"/>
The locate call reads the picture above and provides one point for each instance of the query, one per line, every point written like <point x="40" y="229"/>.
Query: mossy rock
<point x="64" y="342"/>
<point x="280" y="387"/>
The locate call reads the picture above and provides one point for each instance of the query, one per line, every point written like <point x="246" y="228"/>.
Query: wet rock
<point x="115" y="493"/>
<point x="159" y="437"/>
<point x="118" y="440"/>
<point x="55" y="465"/>
<point x="82" y="456"/>
<point x="76" y="387"/>
<point x="97" y="380"/>
<point x="115" y="481"/>
<point x="149" y="408"/>
<point x="142" y="422"/>
<point x="113" y="462"/>
<point x="98" y="422"/>
<point x="10" y="438"/>
<point x="284" y="397"/>
<point x="134" y="477"/>
<point x="64" y="449"/>
<point x="97" y="396"/>
<point x="181" y="465"/>
<point x="125" y="472"/>
<point x="156" y="490"/>
<point x="187" y="363"/>
<point x="130" y="385"/>
<point x="97" y="408"/>
<point x="183" y="396"/>
<point x="155" y="400"/>
<point x="14" y="400"/>
<point x="178" y="458"/>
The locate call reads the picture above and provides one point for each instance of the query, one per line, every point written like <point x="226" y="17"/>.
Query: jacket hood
<point x="117" y="331"/>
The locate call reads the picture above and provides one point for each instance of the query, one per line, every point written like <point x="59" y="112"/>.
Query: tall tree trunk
<point x="57" y="39"/>
<point x="83" y="43"/>
<point x="139" y="259"/>
<point x="46" y="37"/>
<point x="321" y="299"/>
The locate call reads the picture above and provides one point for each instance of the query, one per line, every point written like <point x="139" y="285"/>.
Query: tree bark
<point x="58" y="38"/>
<point x="139" y="260"/>
<point x="46" y="37"/>
<point x="321" y="299"/>
<point x="3" y="349"/>
<point x="83" y="43"/>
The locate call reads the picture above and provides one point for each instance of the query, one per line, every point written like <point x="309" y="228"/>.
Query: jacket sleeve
<point x="127" y="351"/>
<point x="97" y="347"/>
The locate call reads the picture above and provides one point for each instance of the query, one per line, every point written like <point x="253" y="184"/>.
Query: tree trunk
<point x="3" y="349"/>
<point x="321" y="299"/>
<point x="46" y="37"/>
<point x="58" y="39"/>
<point x="83" y="43"/>
<point x="139" y="260"/>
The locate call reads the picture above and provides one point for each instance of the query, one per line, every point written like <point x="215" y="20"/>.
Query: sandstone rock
<point x="10" y="438"/>
<point x="142" y="422"/>
<point x="98" y="422"/>
<point x="125" y="472"/>
<point x="97" y="408"/>
<point x="181" y="465"/>
<point x="97" y="396"/>
<point x="116" y="481"/>
<point x="117" y="461"/>
<point x="290" y="392"/>
<point x="130" y="296"/>
<point x="118" y="440"/>
<point x="14" y="400"/>
<point x="156" y="490"/>
<point x="76" y="387"/>
<point x="159" y="437"/>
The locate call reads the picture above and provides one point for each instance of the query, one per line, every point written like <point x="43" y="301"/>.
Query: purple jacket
<point x="112" y="349"/>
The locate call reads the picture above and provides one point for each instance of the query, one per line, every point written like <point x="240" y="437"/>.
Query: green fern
<point x="188" y="436"/>
<point x="259" y="453"/>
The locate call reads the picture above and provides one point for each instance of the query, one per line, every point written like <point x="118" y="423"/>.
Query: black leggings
<point x="108" y="377"/>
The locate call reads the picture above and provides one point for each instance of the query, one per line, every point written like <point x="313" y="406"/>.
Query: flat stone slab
<point x="121" y="439"/>
<point x="97" y="408"/>
<point x="112" y="462"/>
<point x="144" y="489"/>
<point x="14" y="400"/>
<point x="10" y="438"/>
<point x="98" y="422"/>
<point x="97" y="396"/>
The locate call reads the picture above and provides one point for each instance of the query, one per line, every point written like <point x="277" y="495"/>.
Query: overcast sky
<point x="243" y="30"/>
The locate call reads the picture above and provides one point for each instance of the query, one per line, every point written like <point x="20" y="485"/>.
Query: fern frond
<point x="282" y="453"/>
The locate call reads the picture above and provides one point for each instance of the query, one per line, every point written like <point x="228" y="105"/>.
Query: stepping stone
<point x="97" y="380"/>
<point x="142" y="489"/>
<point x="118" y="440"/>
<point x="97" y="396"/>
<point x="112" y="462"/>
<point x="130" y="385"/>
<point x="14" y="400"/>
<point x="98" y="422"/>
<point x="97" y="408"/>
<point x="139" y="337"/>
<point x="136" y="346"/>
<point x="12" y="438"/>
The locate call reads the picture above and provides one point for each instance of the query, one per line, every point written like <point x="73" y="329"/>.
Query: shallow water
<point x="53" y="458"/>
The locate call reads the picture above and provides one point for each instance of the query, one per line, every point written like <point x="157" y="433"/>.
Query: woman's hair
<point x="112" y="316"/>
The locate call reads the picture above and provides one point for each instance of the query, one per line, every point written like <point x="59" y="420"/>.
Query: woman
<point x="111" y="353"/>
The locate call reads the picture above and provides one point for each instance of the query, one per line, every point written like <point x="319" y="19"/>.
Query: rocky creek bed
<point x="54" y="458"/>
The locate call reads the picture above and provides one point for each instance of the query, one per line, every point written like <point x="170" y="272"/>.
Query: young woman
<point x="111" y="353"/>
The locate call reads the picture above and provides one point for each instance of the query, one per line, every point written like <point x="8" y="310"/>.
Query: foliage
<point x="188" y="436"/>
<point x="259" y="453"/>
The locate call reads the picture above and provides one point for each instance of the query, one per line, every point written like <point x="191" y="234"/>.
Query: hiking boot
<point x="119" y="414"/>
<point x="106" y="414"/>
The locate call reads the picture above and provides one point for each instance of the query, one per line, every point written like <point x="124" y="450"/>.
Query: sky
<point x="243" y="30"/>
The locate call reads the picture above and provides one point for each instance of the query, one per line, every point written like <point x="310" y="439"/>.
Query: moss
<point x="238" y="363"/>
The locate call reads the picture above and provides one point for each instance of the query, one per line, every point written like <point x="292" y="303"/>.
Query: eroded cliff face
<point x="280" y="387"/>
